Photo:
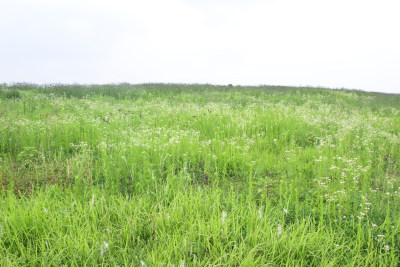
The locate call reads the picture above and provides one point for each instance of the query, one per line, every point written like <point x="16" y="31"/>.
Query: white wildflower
<point x="279" y="230"/>
<point x="223" y="216"/>
<point x="336" y="245"/>
<point x="142" y="263"/>
<point x="374" y="225"/>
<point x="104" y="248"/>
<point x="285" y="211"/>
<point x="386" y="247"/>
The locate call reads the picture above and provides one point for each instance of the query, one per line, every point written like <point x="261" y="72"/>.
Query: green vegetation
<point x="198" y="175"/>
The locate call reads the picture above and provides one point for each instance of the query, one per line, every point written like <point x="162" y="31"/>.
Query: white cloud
<point x="340" y="43"/>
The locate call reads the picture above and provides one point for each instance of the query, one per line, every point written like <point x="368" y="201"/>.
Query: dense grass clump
<point x="9" y="94"/>
<point x="198" y="175"/>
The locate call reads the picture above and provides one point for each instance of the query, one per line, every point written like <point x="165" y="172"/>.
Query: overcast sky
<point x="341" y="43"/>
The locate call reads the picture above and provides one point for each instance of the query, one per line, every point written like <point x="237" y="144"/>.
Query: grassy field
<point x="198" y="175"/>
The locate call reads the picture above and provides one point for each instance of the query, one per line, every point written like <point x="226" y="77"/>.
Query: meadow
<point x="198" y="175"/>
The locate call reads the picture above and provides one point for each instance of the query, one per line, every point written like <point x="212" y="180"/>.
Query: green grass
<point x="198" y="175"/>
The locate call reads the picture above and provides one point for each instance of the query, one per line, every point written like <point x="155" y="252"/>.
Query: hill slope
<point x="198" y="174"/>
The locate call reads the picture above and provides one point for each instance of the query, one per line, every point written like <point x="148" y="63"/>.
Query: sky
<point x="352" y="44"/>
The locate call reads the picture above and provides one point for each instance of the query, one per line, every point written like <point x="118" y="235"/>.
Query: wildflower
<point x="285" y="211"/>
<point x="223" y="216"/>
<point x="124" y="158"/>
<point x="374" y="225"/>
<point x="104" y="248"/>
<point x="386" y="247"/>
<point x="142" y="263"/>
<point x="336" y="245"/>
<point x="259" y="214"/>
<point x="279" y="230"/>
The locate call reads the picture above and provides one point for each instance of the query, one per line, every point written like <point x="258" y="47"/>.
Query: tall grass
<point x="180" y="175"/>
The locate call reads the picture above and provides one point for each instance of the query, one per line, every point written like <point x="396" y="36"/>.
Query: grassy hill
<point x="198" y="175"/>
